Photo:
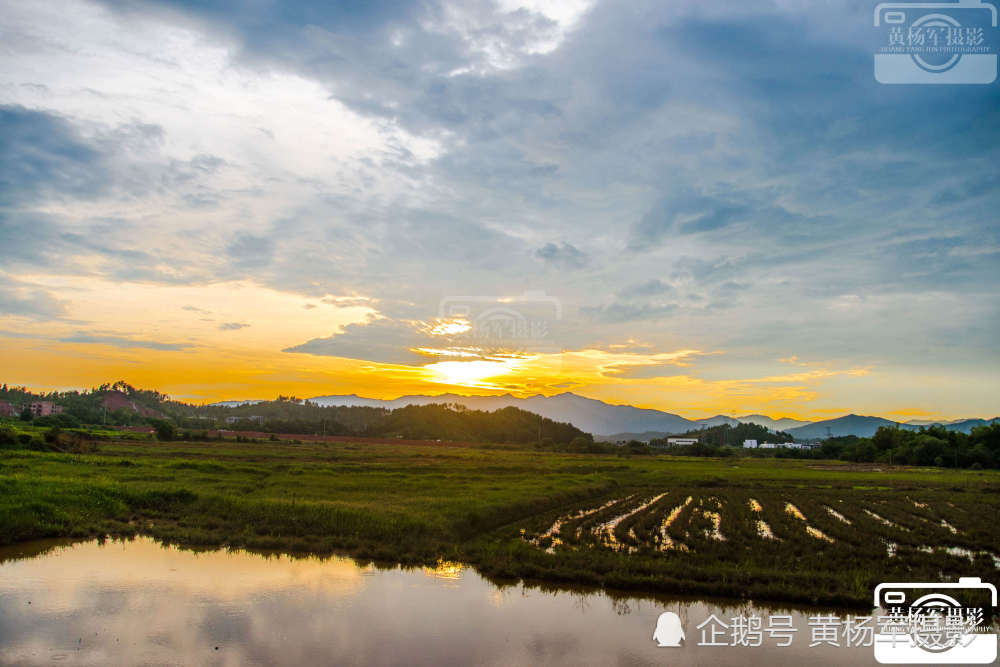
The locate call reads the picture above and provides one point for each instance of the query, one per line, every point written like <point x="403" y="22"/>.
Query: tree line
<point x="926" y="446"/>
<point x="728" y="435"/>
<point x="288" y="414"/>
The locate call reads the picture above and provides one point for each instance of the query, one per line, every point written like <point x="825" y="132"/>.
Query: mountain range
<point x="609" y="421"/>
<point x="236" y="404"/>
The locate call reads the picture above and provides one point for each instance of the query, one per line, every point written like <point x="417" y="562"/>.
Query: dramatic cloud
<point x="384" y="341"/>
<point x="689" y="175"/>
<point x="44" y="156"/>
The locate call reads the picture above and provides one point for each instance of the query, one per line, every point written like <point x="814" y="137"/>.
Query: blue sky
<point x="732" y="213"/>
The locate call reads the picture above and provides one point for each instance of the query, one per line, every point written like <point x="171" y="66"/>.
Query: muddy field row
<point x="729" y="523"/>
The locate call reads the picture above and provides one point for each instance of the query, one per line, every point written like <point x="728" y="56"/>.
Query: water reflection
<point x="136" y="602"/>
<point x="446" y="570"/>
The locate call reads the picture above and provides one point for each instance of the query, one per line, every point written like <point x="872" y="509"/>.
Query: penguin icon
<point x="668" y="630"/>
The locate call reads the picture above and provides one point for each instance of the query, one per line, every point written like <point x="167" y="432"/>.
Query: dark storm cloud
<point x="801" y="82"/>
<point x="42" y="154"/>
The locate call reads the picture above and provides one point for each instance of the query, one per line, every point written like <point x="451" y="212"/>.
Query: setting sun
<point x="472" y="374"/>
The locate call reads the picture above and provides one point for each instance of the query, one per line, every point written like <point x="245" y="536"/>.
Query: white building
<point x="751" y="444"/>
<point x="682" y="441"/>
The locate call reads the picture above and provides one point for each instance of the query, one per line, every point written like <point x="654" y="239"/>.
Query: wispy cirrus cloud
<point x="22" y="299"/>
<point x="119" y="341"/>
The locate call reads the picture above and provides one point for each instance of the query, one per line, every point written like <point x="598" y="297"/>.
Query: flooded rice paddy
<point x="137" y="602"/>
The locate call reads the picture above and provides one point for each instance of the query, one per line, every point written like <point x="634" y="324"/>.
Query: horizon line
<point x="847" y="413"/>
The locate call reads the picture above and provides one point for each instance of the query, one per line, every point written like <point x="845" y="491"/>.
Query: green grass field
<point x="495" y="508"/>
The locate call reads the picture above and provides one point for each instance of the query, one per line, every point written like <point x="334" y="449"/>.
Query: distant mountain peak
<point x="602" y="418"/>
<point x="589" y="414"/>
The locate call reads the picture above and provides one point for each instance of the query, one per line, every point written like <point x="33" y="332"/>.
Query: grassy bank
<point x="418" y="503"/>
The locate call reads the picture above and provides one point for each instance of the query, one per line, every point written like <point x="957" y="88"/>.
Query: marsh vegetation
<point x="698" y="526"/>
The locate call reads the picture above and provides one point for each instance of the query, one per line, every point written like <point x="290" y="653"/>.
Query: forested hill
<point x="117" y="403"/>
<point x="122" y="404"/>
<point x="727" y="435"/>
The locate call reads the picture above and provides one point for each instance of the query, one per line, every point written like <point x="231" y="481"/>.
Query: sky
<point x="699" y="207"/>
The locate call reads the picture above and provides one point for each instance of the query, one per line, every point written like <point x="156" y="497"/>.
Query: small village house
<point x="45" y="408"/>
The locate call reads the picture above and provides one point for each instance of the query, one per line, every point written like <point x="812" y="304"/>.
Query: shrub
<point x="8" y="438"/>
<point x="635" y="447"/>
<point x="164" y="430"/>
<point x="62" y="420"/>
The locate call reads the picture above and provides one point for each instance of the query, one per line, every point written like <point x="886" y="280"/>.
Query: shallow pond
<point x="137" y="602"/>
